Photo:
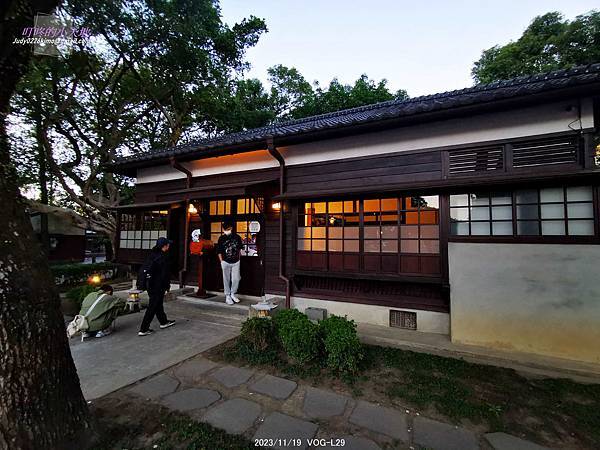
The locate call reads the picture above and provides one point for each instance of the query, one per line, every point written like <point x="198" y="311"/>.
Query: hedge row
<point x="77" y="273"/>
<point x="333" y="342"/>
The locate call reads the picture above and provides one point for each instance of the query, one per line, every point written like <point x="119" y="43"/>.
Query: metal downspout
<point x="188" y="183"/>
<point x="275" y="154"/>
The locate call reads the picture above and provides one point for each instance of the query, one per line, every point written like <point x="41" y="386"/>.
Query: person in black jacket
<point x="158" y="284"/>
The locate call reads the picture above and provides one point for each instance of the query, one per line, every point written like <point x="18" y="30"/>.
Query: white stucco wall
<point x="537" y="298"/>
<point x="548" y="118"/>
<point x="427" y="321"/>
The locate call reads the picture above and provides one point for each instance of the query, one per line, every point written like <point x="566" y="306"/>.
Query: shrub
<point x="344" y="350"/>
<point x="77" y="294"/>
<point x="259" y="333"/>
<point x="299" y="337"/>
<point x="70" y="274"/>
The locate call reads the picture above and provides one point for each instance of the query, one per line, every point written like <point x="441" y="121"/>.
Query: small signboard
<point x="254" y="227"/>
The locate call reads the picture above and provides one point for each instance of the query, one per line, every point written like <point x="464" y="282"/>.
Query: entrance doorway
<point x="247" y="216"/>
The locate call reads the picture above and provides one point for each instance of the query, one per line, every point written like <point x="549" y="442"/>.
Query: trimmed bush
<point x="299" y="337"/>
<point x="70" y="274"/>
<point x="344" y="350"/>
<point x="259" y="333"/>
<point x="77" y="294"/>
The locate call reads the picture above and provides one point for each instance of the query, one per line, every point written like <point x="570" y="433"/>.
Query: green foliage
<point x="77" y="294"/>
<point x="299" y="337"/>
<point x="550" y="42"/>
<point x="259" y="333"/>
<point x="343" y="349"/>
<point x="78" y="272"/>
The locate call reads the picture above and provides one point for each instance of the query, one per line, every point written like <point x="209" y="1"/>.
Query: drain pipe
<point x="275" y="154"/>
<point x="188" y="184"/>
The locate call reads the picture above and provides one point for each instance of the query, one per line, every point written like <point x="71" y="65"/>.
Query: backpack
<point x="79" y="322"/>
<point x="145" y="273"/>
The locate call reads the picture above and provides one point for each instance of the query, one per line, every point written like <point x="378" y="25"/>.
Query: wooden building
<point x="473" y="213"/>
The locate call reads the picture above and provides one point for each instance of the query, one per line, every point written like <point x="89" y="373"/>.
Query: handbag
<point x="80" y="322"/>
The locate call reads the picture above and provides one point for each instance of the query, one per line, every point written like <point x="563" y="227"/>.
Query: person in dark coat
<point x="158" y="284"/>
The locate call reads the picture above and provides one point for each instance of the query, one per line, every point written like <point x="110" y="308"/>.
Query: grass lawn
<point x="553" y="412"/>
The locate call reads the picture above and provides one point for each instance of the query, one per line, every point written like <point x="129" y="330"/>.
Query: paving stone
<point x="380" y="419"/>
<point x="442" y="436"/>
<point x="350" y="443"/>
<point x="280" y="427"/>
<point x="274" y="387"/>
<point x="191" y="371"/>
<point x="503" y="441"/>
<point x="234" y="416"/>
<point x="156" y="387"/>
<point x="321" y="404"/>
<point x="232" y="376"/>
<point x="190" y="399"/>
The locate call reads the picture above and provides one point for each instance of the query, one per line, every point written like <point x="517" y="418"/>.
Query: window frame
<point x="517" y="238"/>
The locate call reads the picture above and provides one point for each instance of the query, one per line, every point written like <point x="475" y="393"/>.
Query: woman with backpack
<point x="154" y="277"/>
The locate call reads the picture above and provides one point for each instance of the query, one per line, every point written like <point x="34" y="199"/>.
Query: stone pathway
<point x="286" y="415"/>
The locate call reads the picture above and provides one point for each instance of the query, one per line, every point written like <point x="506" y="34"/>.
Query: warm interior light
<point x="95" y="279"/>
<point x="192" y="209"/>
<point x="276" y="206"/>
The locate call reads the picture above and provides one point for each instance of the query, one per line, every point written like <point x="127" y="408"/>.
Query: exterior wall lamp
<point x="192" y="209"/>
<point x="276" y="206"/>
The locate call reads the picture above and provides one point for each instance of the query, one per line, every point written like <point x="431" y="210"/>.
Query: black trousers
<point x="155" y="308"/>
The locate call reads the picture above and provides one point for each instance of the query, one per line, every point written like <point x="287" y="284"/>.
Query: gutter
<point x="275" y="154"/>
<point x="188" y="183"/>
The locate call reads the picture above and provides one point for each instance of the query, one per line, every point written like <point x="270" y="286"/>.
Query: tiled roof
<point x="479" y="94"/>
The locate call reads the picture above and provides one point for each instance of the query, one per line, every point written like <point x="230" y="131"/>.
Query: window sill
<point x="373" y="276"/>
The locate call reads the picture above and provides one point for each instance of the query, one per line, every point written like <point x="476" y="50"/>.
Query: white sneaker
<point x="103" y="333"/>
<point x="228" y="300"/>
<point x="234" y="298"/>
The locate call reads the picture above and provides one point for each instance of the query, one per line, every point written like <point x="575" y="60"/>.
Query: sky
<point x="423" y="47"/>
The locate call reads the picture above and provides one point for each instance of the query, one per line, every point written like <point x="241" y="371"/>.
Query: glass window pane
<point x="351" y="220"/>
<point x="318" y="232"/>
<point x="351" y="232"/>
<point x="389" y="219"/>
<point x="146" y="244"/>
<point x="318" y="245"/>
<point x="580" y="211"/>
<point x="335" y="207"/>
<point x="371" y="217"/>
<point x="553" y="228"/>
<point x="351" y="206"/>
<point x="579" y="193"/>
<point x="526" y="196"/>
<point x="429" y="217"/>
<point x="213" y="208"/>
<point x="581" y="227"/>
<point x="123" y="235"/>
<point x="430" y="201"/>
<point x="304" y="244"/>
<point x="480" y="199"/>
<point x="389" y="204"/>
<point x="409" y="246"/>
<point x="389" y="246"/>
<point x="528" y="228"/>
<point x="527" y="212"/>
<point x="459" y="228"/>
<point x="241" y="227"/>
<point x="553" y="211"/>
<point x="430" y="246"/>
<point x="501" y="212"/>
<point x="351" y="246"/>
<point x="480" y="228"/>
<point x="411" y="218"/>
<point x="430" y="231"/>
<point x="335" y="232"/>
<point x="372" y="246"/>
<point x="459" y="200"/>
<point x="319" y="208"/>
<point x="334" y="245"/>
<point x="389" y="232"/>
<point x="502" y="228"/>
<point x="372" y="232"/>
<point x="409" y="231"/>
<point x="501" y="198"/>
<point x="371" y="205"/>
<point x="241" y="206"/>
<point x="481" y="213"/>
<point x="552" y="195"/>
<point x="154" y="234"/>
<point x="336" y="220"/>
<point x="459" y="213"/>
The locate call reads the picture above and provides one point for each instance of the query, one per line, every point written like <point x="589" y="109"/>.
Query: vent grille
<point x="477" y="160"/>
<point x="403" y="319"/>
<point x="542" y="153"/>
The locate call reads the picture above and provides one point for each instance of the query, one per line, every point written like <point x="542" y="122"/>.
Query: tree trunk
<point x="43" y="181"/>
<point x="41" y="404"/>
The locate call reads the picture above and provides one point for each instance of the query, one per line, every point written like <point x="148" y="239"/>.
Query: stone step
<point x="217" y="304"/>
